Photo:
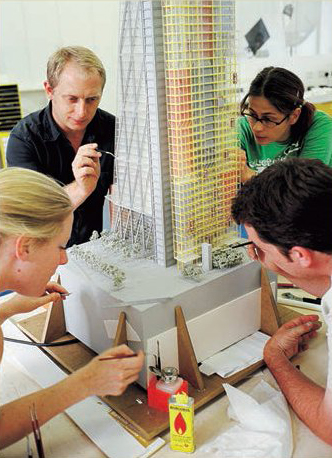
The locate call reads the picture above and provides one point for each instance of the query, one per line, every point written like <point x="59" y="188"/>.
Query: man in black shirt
<point x="61" y="140"/>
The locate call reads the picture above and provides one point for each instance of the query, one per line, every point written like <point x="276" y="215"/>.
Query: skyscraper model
<point x="176" y="173"/>
<point x="176" y="149"/>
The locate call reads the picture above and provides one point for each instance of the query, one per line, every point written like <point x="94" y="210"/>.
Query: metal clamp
<point x="167" y="374"/>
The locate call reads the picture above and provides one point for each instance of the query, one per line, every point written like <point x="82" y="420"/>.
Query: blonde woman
<point x="36" y="217"/>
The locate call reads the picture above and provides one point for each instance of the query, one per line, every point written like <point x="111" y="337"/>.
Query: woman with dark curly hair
<point x="277" y="123"/>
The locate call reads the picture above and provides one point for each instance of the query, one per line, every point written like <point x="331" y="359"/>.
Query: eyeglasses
<point x="266" y="122"/>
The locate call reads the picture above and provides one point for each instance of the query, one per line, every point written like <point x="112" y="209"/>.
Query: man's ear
<point x="48" y="89"/>
<point x="303" y="256"/>
<point x="24" y="247"/>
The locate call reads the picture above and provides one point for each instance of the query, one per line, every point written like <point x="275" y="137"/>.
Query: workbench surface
<point x="62" y="438"/>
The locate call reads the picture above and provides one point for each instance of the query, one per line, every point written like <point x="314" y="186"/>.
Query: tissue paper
<point x="264" y="426"/>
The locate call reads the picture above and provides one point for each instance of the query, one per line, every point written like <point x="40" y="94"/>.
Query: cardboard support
<point x="188" y="367"/>
<point x="55" y="324"/>
<point x="270" y="320"/>
<point x="121" y="331"/>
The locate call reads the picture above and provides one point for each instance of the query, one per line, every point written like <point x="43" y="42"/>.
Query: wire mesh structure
<point x="176" y="167"/>
<point x="141" y="197"/>
<point x="199" y="46"/>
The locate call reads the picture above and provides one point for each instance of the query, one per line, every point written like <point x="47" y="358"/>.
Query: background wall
<point x="311" y="59"/>
<point x="31" y="30"/>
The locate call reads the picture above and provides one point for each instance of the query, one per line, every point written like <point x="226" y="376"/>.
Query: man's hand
<point x="310" y="401"/>
<point x="292" y="337"/>
<point x="86" y="170"/>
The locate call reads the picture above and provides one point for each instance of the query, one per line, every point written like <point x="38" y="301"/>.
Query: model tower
<point x="176" y="156"/>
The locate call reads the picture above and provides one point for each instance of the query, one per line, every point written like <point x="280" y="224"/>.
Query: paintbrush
<point x="29" y="450"/>
<point x="63" y="295"/>
<point x="36" y="432"/>
<point x="109" y="358"/>
<point x="241" y="244"/>
<point x="158" y="356"/>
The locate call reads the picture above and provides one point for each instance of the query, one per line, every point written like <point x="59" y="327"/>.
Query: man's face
<point x="308" y="269"/>
<point x="270" y="256"/>
<point x="75" y="98"/>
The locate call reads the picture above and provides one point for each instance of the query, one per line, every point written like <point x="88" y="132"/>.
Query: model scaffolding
<point x="176" y="156"/>
<point x="141" y="197"/>
<point x="201" y="113"/>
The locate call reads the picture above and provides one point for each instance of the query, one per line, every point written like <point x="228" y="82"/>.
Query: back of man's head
<point x="83" y="57"/>
<point x="289" y="204"/>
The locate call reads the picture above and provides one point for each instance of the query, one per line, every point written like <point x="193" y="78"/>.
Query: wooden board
<point x="142" y="420"/>
<point x="70" y="357"/>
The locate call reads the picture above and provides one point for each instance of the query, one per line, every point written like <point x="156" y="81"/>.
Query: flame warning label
<point x="181" y="418"/>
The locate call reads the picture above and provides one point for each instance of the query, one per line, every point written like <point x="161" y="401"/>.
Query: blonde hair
<point x="83" y="57"/>
<point x="31" y="204"/>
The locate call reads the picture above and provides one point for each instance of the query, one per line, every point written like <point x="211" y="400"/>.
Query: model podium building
<point x="176" y="172"/>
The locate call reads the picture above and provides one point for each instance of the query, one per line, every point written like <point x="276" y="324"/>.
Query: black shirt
<point x="37" y="143"/>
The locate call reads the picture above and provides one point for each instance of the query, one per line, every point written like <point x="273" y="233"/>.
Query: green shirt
<point x="316" y="144"/>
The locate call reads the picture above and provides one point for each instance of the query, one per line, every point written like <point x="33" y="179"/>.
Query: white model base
<point x="221" y="309"/>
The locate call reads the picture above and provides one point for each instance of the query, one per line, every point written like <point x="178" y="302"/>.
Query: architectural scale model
<point x="176" y="164"/>
<point x="176" y="172"/>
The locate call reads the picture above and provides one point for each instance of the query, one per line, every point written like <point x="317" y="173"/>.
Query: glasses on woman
<point x="264" y="120"/>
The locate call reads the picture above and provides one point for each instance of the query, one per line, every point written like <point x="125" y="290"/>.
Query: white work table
<point x="62" y="438"/>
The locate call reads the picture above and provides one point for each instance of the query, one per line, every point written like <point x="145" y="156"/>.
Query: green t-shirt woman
<point x="278" y="123"/>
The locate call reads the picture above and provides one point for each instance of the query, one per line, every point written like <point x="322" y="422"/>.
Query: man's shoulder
<point x="32" y="124"/>
<point x="105" y="116"/>
<point x="102" y="126"/>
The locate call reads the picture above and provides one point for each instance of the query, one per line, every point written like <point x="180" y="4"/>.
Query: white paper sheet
<point x="236" y="357"/>
<point x="91" y="415"/>
<point x="111" y="327"/>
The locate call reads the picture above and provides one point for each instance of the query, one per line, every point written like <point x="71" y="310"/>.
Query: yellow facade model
<point x="201" y="113"/>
